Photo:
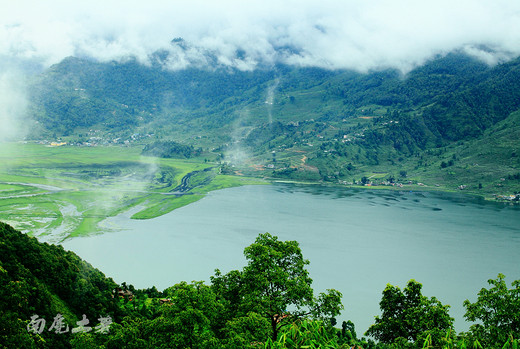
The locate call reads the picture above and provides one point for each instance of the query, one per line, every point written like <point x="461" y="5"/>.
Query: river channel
<point x="357" y="241"/>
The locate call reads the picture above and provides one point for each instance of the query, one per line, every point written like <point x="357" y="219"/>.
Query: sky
<point x="334" y="34"/>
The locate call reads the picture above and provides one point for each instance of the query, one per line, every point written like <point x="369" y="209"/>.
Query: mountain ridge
<point x="382" y="115"/>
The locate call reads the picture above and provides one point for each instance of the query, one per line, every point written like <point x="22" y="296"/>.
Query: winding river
<point x="356" y="240"/>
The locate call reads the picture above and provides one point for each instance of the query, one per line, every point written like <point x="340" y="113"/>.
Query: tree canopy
<point x="170" y="149"/>
<point x="497" y="310"/>
<point x="276" y="285"/>
<point x="408" y="316"/>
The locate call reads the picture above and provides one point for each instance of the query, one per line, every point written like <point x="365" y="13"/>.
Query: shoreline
<point x="146" y="212"/>
<point x="405" y="187"/>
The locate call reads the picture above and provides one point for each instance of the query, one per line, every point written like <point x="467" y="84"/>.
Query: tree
<point x="190" y="319"/>
<point x="242" y="331"/>
<point x="498" y="311"/>
<point x="193" y="315"/>
<point x="347" y="335"/>
<point x="276" y="285"/>
<point x="410" y="316"/>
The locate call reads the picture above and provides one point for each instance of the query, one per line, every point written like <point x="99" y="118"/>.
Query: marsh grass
<point x="70" y="190"/>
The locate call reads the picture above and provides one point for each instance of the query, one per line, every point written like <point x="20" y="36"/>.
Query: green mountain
<point x="321" y="124"/>
<point x="45" y="280"/>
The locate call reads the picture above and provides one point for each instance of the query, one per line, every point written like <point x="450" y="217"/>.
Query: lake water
<point x="357" y="241"/>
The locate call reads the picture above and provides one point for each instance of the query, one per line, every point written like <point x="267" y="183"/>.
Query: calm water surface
<point x="356" y="240"/>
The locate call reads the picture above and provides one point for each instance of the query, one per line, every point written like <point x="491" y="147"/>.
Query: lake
<point x="357" y="241"/>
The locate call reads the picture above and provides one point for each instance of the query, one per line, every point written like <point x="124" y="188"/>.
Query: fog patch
<point x="269" y="100"/>
<point x="119" y="190"/>
<point x="236" y="153"/>
<point x="489" y="56"/>
<point x="13" y="106"/>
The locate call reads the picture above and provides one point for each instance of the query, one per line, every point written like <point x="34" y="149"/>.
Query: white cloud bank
<point x="355" y="34"/>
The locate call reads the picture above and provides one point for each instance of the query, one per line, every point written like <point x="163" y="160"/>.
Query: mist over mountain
<point x="346" y="119"/>
<point x="330" y="34"/>
<point x="148" y="106"/>
<point x="455" y="96"/>
<point x="352" y="85"/>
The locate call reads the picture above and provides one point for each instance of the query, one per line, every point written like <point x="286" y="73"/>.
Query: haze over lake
<point x="357" y="241"/>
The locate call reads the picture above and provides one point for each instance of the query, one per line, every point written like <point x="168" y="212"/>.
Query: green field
<point x="60" y="192"/>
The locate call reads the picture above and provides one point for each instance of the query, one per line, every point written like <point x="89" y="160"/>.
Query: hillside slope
<point x="344" y="124"/>
<point x="45" y="280"/>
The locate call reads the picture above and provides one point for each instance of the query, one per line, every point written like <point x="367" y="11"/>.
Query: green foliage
<point x="80" y="92"/>
<point x="470" y="111"/>
<point x="511" y="343"/>
<point x="305" y="334"/>
<point x="189" y="319"/>
<point x="451" y="98"/>
<point x="269" y="304"/>
<point x="45" y="280"/>
<point x="194" y="301"/>
<point x="452" y="92"/>
<point x="246" y="331"/>
<point x="276" y="284"/>
<point x="497" y="311"/>
<point x="260" y="136"/>
<point x="170" y="149"/>
<point x="275" y="276"/>
<point x="408" y="316"/>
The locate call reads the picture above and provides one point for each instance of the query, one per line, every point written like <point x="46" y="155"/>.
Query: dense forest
<point x="170" y="149"/>
<point x="450" y="98"/>
<point x="50" y="298"/>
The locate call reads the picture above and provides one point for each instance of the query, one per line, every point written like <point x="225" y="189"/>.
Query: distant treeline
<point x="170" y="149"/>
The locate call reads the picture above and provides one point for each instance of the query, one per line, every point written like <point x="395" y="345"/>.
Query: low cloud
<point x="13" y="106"/>
<point x="355" y="34"/>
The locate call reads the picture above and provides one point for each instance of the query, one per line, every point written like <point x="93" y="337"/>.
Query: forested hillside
<point x="328" y="125"/>
<point x="455" y="96"/>
<point x="45" y="280"/>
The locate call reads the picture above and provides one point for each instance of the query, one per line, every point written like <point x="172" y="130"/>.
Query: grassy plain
<point x="67" y="191"/>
